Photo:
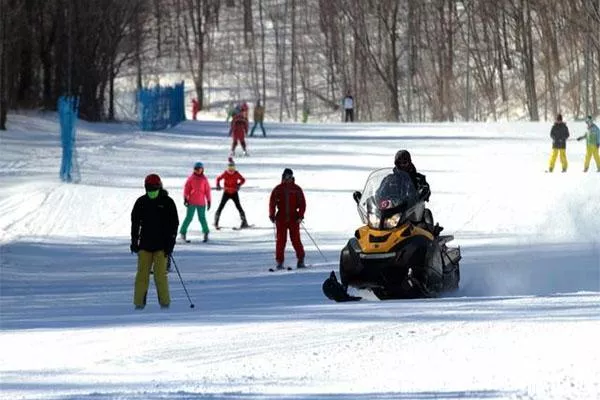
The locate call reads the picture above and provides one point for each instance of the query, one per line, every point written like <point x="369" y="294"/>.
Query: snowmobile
<point x="398" y="253"/>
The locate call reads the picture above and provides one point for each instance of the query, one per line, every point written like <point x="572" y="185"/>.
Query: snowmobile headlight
<point x="373" y="220"/>
<point x="392" y="221"/>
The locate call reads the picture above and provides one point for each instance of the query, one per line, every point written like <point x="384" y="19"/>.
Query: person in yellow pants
<point x="559" y="134"/>
<point x="154" y="223"/>
<point x="592" y="139"/>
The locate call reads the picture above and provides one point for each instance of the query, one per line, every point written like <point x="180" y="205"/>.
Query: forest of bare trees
<point x="404" y="60"/>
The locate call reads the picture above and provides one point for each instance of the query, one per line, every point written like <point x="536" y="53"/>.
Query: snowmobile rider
<point x="154" y="223"/>
<point x="403" y="162"/>
<point x="286" y="210"/>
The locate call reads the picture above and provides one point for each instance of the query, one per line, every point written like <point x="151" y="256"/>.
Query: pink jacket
<point x="197" y="190"/>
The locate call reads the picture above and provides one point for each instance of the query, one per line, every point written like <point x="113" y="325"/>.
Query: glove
<point x="579" y="138"/>
<point x="134" y="248"/>
<point x="218" y="187"/>
<point x="238" y="186"/>
<point x="299" y="220"/>
<point x="186" y="202"/>
<point x="208" y="206"/>
<point x="272" y="218"/>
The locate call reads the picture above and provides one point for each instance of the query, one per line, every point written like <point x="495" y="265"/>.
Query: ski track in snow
<point x="520" y="327"/>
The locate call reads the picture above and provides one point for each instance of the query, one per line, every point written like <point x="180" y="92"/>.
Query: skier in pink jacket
<point x="196" y="196"/>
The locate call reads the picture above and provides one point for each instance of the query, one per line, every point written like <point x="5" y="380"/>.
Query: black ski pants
<point x="236" y="200"/>
<point x="349" y="115"/>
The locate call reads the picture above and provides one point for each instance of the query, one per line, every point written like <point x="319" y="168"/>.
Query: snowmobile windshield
<point x="388" y="200"/>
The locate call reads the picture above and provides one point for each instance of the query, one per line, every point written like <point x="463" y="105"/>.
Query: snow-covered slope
<point x="522" y="326"/>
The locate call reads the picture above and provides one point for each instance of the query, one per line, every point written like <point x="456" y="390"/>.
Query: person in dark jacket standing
<point x="286" y="210"/>
<point x="559" y="134"/>
<point x="154" y="223"/>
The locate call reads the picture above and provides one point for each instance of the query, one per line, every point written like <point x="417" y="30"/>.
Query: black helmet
<point x="287" y="174"/>
<point x="402" y="159"/>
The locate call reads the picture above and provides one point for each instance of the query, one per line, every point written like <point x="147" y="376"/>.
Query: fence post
<point x="68" y="107"/>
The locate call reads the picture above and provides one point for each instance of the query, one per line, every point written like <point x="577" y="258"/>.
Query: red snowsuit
<point x="195" y="108"/>
<point x="239" y="129"/>
<point x="286" y="208"/>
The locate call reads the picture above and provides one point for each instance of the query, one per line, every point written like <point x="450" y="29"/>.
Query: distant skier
<point x="195" y="108"/>
<point x="592" y="137"/>
<point x="259" y="116"/>
<point x="348" y="107"/>
<point x="196" y="197"/>
<point x="559" y="134"/>
<point x="232" y="109"/>
<point x="286" y="210"/>
<point x="239" y="129"/>
<point x="233" y="180"/>
<point x="154" y="223"/>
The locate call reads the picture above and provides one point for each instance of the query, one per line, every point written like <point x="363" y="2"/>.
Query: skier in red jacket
<point x="233" y="180"/>
<point x="239" y="129"/>
<point x="286" y="211"/>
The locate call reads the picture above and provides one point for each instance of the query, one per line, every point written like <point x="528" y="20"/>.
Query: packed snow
<point x="524" y="325"/>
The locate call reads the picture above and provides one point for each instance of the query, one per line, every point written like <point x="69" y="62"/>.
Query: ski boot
<point x="183" y="236"/>
<point x="244" y="222"/>
<point x="205" y="238"/>
<point x="139" y="307"/>
<point x="279" y="266"/>
<point x="217" y="217"/>
<point x="300" y="264"/>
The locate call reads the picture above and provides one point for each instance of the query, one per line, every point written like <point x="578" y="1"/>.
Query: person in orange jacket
<point x="286" y="210"/>
<point x="233" y="180"/>
<point x="239" y="129"/>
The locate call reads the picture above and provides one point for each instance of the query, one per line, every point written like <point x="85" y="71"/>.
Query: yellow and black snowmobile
<point x="398" y="253"/>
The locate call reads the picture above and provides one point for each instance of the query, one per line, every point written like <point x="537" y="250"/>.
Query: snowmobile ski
<point x="335" y="291"/>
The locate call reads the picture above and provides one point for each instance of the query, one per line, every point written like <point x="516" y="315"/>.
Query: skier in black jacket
<point x="403" y="162"/>
<point x="559" y="134"/>
<point x="154" y="223"/>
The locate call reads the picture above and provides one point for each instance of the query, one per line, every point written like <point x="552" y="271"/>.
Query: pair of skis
<point x="236" y="228"/>
<point x="285" y="269"/>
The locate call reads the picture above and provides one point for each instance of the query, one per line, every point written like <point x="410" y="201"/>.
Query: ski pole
<point x="313" y="240"/>
<point x="182" y="284"/>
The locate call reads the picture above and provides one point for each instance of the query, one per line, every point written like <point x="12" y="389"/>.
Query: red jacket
<point x="232" y="179"/>
<point x="239" y="126"/>
<point x="287" y="202"/>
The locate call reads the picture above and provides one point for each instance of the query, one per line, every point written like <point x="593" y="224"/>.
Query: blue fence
<point x="68" y="108"/>
<point x="161" y="107"/>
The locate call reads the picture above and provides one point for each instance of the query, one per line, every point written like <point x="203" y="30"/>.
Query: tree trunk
<point x="3" y="69"/>
<point x="111" y="96"/>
